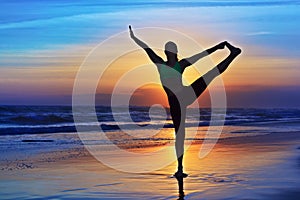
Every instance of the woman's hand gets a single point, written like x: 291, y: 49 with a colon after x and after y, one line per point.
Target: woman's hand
x: 131, y: 32
x: 221, y: 45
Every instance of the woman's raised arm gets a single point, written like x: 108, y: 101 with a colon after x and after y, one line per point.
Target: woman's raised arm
x: 191, y: 60
x: 152, y: 55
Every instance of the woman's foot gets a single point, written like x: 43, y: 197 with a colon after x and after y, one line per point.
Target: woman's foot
x: 180, y: 174
x: 233, y: 50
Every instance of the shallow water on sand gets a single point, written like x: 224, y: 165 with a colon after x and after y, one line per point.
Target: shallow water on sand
x: 247, y: 170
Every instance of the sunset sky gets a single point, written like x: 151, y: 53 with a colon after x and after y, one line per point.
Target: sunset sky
x: 43, y: 43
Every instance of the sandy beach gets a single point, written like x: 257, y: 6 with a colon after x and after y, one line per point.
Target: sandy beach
x: 251, y: 167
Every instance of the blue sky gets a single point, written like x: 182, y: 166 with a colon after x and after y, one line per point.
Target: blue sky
x: 44, y: 24
x: 37, y: 34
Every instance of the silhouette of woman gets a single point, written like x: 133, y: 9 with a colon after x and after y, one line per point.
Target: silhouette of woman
x: 180, y: 96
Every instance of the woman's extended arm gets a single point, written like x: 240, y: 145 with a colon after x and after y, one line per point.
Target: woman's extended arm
x: 191, y: 60
x: 154, y: 58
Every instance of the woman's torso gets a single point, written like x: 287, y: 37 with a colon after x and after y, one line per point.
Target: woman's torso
x: 171, y: 77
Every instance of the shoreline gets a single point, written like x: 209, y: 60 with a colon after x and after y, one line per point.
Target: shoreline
x: 79, y: 151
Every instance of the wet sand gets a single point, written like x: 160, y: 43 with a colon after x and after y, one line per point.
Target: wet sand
x: 252, y: 167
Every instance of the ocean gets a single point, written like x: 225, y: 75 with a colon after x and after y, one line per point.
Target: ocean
x: 16, y: 120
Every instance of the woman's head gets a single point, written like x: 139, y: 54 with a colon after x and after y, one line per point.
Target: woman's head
x: 170, y: 48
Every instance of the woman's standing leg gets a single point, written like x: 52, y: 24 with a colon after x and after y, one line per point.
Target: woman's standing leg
x: 178, y: 114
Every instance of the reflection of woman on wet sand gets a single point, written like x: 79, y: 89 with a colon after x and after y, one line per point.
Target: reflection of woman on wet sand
x: 180, y: 96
